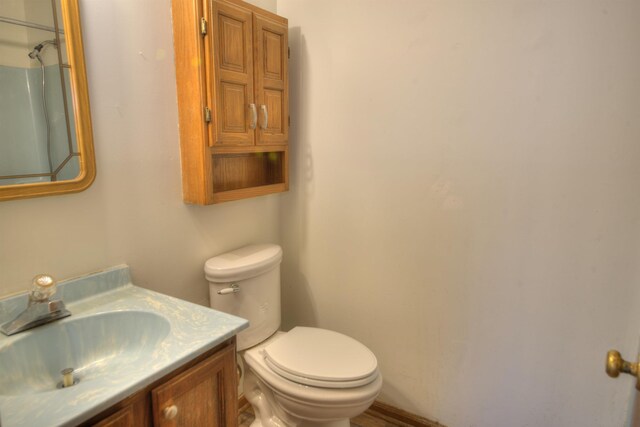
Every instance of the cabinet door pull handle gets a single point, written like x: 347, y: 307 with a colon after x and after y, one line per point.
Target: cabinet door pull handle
x: 265, y: 116
x: 254, y: 116
x: 170, y: 412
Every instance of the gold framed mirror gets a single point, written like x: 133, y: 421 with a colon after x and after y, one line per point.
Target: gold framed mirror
x: 46, y: 138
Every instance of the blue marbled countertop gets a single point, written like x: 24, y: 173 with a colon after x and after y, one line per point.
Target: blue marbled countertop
x: 193, y: 330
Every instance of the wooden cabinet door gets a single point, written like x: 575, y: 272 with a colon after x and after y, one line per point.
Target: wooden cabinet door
x: 204, y: 395
x: 234, y: 114
x: 133, y: 412
x: 272, y: 80
x: 122, y: 418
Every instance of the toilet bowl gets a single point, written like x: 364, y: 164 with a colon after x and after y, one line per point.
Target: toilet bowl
x: 298, y: 402
x: 304, y: 377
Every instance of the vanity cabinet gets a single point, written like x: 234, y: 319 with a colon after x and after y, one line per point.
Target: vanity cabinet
x: 201, y: 393
x: 233, y: 99
x: 204, y: 395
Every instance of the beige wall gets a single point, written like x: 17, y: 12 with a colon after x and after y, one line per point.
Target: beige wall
x: 270, y: 5
x: 464, y: 194
x: 134, y: 212
x: 465, y: 200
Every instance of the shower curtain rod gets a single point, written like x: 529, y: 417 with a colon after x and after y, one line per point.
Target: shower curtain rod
x: 29, y: 24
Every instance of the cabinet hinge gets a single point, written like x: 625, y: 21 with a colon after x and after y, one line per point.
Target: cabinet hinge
x: 288, y: 52
x: 207, y: 115
x: 289, y: 121
x: 203, y: 26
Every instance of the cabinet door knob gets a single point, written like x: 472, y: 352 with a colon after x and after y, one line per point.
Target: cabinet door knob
x: 170, y: 412
x: 265, y: 116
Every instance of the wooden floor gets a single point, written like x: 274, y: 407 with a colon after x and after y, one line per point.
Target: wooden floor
x: 365, y: 420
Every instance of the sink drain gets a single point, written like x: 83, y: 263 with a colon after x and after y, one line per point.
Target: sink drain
x: 68, y: 379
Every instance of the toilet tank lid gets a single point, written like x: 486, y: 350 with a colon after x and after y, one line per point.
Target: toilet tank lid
x: 243, y: 263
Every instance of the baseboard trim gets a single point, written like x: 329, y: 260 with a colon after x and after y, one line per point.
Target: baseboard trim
x: 399, y: 416
x: 242, y: 403
x: 393, y: 415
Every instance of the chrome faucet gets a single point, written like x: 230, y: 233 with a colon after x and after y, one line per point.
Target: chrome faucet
x: 40, y: 309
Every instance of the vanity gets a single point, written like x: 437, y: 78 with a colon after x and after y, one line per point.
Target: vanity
x: 200, y: 393
x: 139, y: 358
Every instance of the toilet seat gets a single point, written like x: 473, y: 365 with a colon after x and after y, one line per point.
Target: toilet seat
x: 321, y: 358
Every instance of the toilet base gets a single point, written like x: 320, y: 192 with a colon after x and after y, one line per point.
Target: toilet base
x: 279, y: 402
x: 269, y: 414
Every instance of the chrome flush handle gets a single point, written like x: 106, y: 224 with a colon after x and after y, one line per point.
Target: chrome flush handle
x: 234, y: 289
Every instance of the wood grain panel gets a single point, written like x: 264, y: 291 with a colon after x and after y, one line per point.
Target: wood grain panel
x: 274, y: 100
x: 238, y: 171
x: 190, y: 61
x: 271, y: 79
x: 232, y: 69
x: 261, y: 190
x: 265, y: 13
x: 232, y: 41
x: 123, y: 418
x: 244, y: 193
x: 396, y: 416
x: 273, y: 59
x: 202, y: 395
x: 234, y: 113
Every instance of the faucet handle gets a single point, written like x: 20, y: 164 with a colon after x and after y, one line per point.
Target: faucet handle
x: 43, y: 287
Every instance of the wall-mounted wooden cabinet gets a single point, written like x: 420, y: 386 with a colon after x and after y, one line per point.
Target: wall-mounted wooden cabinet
x: 233, y: 99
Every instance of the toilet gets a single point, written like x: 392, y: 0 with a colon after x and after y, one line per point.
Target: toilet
x: 304, y: 377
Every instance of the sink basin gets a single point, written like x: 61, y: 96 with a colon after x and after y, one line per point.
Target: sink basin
x: 101, y: 346
x: 120, y: 339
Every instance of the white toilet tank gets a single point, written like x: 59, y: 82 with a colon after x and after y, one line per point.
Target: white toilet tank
x: 254, y: 271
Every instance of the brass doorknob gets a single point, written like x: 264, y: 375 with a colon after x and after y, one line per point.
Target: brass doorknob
x: 616, y: 364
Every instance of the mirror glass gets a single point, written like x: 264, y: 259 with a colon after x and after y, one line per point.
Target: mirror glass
x: 45, y: 130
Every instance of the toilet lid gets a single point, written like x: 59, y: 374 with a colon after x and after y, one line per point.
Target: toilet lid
x: 323, y: 358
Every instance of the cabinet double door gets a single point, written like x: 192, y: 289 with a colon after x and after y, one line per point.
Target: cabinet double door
x: 248, y: 86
